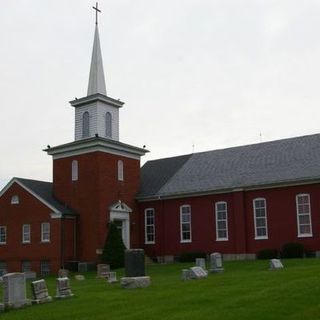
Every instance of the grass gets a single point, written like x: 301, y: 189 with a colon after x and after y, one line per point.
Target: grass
x: 246, y: 290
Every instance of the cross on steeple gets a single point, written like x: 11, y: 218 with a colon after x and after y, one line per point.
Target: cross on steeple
x: 97, y: 10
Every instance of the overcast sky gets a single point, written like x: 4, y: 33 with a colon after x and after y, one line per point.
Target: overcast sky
x: 208, y: 73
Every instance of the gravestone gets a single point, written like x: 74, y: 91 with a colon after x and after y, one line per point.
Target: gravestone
x: 135, y: 282
x: 103, y: 270
x: 112, y: 277
x: 63, y: 273
x: 275, y: 264
x: 216, y: 262
x: 185, y: 274
x: 79, y: 277
x: 135, y: 270
x: 14, y: 290
x: 1, y: 307
x: 40, y: 292
x: 198, y: 273
x: 134, y: 263
x: 63, y: 288
x: 201, y: 262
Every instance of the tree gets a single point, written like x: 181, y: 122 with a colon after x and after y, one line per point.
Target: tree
x: 113, y: 251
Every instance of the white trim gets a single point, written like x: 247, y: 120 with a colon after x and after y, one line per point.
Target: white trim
x: 120, y: 170
x: 43, y: 240
x: 256, y: 237
x: 54, y: 215
x: 226, y: 221
x: 15, y: 180
x: 5, y: 233
x: 303, y: 235
x: 120, y: 211
x: 181, y: 233
x: 96, y: 144
x: 145, y: 226
x: 74, y: 170
x: 15, y: 199
x: 181, y: 195
x: 24, y: 233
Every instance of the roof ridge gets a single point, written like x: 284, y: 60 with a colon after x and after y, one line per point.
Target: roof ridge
x: 241, y: 146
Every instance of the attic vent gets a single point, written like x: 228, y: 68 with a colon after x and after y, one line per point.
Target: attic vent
x: 15, y: 199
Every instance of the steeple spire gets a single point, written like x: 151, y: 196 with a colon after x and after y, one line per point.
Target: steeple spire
x: 96, y: 78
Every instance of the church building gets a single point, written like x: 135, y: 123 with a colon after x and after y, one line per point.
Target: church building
x: 236, y: 201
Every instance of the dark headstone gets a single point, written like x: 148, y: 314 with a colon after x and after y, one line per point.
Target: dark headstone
x: 134, y: 263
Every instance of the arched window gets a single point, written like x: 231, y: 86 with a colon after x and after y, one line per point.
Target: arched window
x: 85, y: 125
x: 120, y: 170
x: 74, y: 170
x: 108, y: 125
x: 15, y: 199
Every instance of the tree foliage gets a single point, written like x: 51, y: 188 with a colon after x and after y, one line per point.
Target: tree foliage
x: 113, y: 251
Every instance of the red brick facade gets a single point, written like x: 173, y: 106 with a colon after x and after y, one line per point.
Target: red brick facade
x: 281, y: 222
x: 96, y: 189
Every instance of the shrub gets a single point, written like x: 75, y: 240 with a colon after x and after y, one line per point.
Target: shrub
x: 267, y: 254
x: 191, y: 256
x: 292, y: 250
x: 113, y: 251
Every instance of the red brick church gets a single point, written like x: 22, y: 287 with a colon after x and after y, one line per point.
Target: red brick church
x: 236, y: 201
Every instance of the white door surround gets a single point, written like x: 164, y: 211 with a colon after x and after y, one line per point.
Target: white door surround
x: 119, y: 211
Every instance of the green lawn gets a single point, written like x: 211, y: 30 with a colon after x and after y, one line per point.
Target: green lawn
x: 246, y: 290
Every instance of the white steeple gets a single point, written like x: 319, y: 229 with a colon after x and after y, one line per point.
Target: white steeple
x: 96, y: 115
x: 96, y: 78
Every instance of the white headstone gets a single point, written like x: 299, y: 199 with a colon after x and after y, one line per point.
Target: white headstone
x: 40, y: 292
x: 63, y: 273
x: 112, y: 277
x: 185, y: 274
x: 79, y: 277
x: 216, y: 262
x: 198, y: 273
x: 63, y: 288
x: 14, y: 290
x: 201, y: 262
x: 103, y: 270
x: 275, y: 264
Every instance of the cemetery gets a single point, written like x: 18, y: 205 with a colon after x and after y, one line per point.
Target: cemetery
x: 243, y: 290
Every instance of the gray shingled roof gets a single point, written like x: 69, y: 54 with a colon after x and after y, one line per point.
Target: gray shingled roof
x: 268, y: 163
x: 44, y: 190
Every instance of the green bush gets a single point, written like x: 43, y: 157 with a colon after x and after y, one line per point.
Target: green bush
x: 292, y: 250
x: 266, y: 254
x: 191, y: 256
x: 113, y: 251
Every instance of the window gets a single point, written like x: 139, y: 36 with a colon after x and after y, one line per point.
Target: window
x: 25, y: 266
x: 74, y: 170
x: 3, y: 234
x: 26, y: 237
x: 221, y: 221
x: 3, y: 268
x: 86, y: 125
x: 108, y: 125
x: 304, y: 215
x: 185, y: 223
x: 120, y: 170
x: 260, y: 218
x: 44, y: 267
x: 15, y: 199
x: 149, y: 223
x: 45, y: 232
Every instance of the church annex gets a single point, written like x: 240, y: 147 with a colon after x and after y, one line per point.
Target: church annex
x: 237, y: 201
